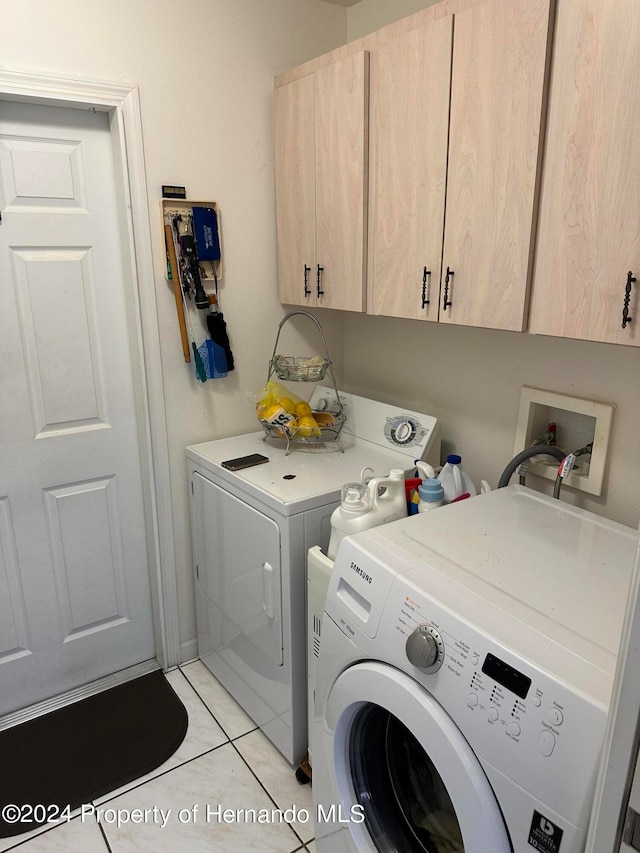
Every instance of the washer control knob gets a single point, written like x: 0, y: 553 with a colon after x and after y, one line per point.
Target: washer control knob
x: 425, y: 649
x: 494, y: 714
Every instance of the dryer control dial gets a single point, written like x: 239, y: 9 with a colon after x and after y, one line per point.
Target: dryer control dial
x: 425, y: 648
x: 404, y: 430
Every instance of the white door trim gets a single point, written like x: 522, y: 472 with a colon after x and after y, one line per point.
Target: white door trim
x: 123, y: 106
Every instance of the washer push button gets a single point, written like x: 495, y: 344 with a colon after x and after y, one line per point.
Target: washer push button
x: 555, y: 716
x: 546, y: 742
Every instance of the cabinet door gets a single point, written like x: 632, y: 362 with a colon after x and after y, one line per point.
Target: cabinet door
x: 295, y: 190
x: 410, y: 84
x: 499, y: 67
x: 341, y: 128
x: 588, y: 234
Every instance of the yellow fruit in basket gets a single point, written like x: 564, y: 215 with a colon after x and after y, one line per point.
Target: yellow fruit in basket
x: 270, y: 413
x: 307, y: 427
x: 289, y: 405
x: 303, y: 409
x: 275, y: 414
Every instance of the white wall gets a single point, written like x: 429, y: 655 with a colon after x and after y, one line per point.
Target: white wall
x: 471, y: 379
x: 205, y: 70
x: 370, y: 15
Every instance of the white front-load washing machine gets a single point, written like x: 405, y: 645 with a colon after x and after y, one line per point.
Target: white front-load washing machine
x: 251, y: 531
x: 464, y: 679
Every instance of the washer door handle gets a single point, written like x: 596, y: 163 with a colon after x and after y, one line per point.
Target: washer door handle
x: 268, y: 590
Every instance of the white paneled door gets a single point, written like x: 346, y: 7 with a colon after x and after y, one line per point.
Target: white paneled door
x: 75, y: 599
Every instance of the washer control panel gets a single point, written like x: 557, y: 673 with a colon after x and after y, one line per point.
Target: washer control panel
x: 523, y: 721
x: 503, y: 695
x: 507, y: 697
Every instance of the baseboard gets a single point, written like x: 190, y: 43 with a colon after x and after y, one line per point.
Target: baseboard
x: 188, y: 651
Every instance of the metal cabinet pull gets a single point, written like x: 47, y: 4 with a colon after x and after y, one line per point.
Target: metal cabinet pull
x: 446, y: 302
x: 319, y: 284
x: 627, y: 298
x: 425, y: 274
x: 307, y: 289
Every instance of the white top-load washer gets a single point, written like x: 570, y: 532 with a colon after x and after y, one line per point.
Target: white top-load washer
x: 251, y: 531
x: 465, y: 675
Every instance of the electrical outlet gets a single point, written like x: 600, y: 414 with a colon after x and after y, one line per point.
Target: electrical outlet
x: 578, y: 423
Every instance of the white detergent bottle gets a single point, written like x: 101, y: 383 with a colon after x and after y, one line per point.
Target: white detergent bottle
x: 455, y: 481
x: 431, y: 494
x: 353, y: 515
x: 388, y: 497
x: 367, y: 505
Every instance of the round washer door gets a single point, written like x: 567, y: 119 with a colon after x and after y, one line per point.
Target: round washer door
x: 401, y: 762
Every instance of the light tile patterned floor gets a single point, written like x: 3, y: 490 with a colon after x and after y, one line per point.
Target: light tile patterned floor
x: 224, y: 762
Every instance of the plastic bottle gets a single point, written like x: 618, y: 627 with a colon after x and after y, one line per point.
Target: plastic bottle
x: 431, y: 494
x: 425, y: 470
x: 351, y: 516
x: 364, y: 506
x: 388, y: 498
x: 455, y: 481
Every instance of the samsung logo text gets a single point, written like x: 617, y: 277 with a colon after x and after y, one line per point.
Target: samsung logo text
x: 363, y: 574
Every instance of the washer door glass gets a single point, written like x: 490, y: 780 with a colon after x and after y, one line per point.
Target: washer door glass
x: 404, y: 800
x: 390, y: 750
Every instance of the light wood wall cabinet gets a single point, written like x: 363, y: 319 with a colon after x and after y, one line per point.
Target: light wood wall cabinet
x: 588, y: 245
x: 482, y: 233
x: 321, y: 127
x: 410, y: 86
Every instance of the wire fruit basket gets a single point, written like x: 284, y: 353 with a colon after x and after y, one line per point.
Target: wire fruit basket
x: 329, y: 423
x: 299, y: 369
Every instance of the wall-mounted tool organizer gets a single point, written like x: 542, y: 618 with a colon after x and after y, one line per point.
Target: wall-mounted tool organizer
x: 171, y: 207
x: 191, y: 232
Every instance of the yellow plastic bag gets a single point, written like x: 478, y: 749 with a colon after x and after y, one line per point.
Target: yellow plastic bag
x: 276, y: 406
x: 279, y: 407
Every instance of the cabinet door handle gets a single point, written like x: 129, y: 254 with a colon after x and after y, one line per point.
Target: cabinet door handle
x: 319, y: 281
x: 307, y: 289
x: 446, y: 302
x: 627, y: 298
x: 425, y: 274
x: 268, y: 591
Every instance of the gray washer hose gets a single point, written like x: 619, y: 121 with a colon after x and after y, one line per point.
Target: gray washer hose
x: 527, y: 453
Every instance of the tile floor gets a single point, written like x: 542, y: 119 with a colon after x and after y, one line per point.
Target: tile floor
x: 224, y: 762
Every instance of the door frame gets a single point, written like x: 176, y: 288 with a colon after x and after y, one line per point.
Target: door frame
x: 125, y: 122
